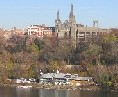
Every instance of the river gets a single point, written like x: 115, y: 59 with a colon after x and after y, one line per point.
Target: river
x: 33, y: 92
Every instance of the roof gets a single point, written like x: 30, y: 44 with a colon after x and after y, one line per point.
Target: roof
x: 91, y: 29
x: 56, y: 75
x: 83, y: 78
x: 48, y: 75
x: 60, y: 75
x: 64, y: 76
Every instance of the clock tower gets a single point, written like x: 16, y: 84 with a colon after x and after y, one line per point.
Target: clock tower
x: 57, y: 25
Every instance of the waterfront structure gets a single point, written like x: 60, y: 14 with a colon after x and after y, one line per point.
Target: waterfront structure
x: 77, y: 32
x: 53, y: 78
x: 65, y: 78
x: 40, y: 31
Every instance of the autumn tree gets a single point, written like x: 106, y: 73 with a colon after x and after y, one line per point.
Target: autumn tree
x: 110, y: 49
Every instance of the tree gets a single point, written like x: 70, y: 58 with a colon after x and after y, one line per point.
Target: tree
x: 77, y: 57
x: 92, y: 54
x: 10, y: 70
x: 54, y: 65
x: 32, y: 71
x: 110, y: 52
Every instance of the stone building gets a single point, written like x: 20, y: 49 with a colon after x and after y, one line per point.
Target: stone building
x: 77, y: 32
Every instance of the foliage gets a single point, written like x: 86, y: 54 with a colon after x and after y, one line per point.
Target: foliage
x: 23, y: 55
x: 106, y: 82
x: 110, y: 37
x: 32, y: 71
x: 92, y: 54
x: 54, y: 65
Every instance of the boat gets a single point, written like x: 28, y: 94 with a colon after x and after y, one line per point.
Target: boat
x: 24, y: 87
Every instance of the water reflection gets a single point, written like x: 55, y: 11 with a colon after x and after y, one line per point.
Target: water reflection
x: 41, y: 93
x: 46, y: 93
x: 22, y: 92
x: 31, y: 92
x: 7, y: 92
x: 58, y: 93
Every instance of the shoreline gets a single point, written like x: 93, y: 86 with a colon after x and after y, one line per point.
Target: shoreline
x: 56, y: 87
x: 51, y: 86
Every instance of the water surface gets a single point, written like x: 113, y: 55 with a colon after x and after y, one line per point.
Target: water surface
x: 32, y: 92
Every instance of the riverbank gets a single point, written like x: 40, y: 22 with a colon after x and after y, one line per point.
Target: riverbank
x: 92, y: 87
x: 50, y: 86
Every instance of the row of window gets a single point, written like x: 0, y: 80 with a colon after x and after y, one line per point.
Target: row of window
x: 41, y: 33
x: 90, y: 32
x: 42, y: 28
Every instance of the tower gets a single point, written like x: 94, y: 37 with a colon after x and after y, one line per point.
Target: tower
x: 71, y: 15
x: 72, y: 23
x: 58, y: 15
x: 68, y: 28
x: 95, y: 23
x: 57, y: 24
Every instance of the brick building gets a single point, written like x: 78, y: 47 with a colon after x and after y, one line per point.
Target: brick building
x: 40, y: 31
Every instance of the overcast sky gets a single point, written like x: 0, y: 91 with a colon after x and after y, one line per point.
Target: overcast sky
x: 22, y: 13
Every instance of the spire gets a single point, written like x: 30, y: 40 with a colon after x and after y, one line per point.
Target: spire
x: 72, y: 8
x: 58, y: 15
x: 71, y: 15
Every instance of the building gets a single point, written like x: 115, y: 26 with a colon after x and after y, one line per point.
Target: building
x: 40, y: 31
x: 14, y: 31
x: 62, y: 78
x: 77, y: 32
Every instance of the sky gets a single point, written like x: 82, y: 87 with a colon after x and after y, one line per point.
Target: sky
x: 23, y: 13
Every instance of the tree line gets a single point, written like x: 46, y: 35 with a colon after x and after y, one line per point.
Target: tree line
x: 23, y: 56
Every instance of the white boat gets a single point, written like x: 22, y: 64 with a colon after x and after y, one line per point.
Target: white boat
x: 24, y: 86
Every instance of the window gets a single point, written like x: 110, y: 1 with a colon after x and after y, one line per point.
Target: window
x: 87, y: 32
x: 93, y: 32
x: 82, y: 39
x: 81, y: 32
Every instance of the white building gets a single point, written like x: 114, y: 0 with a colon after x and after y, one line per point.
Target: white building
x: 40, y: 31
